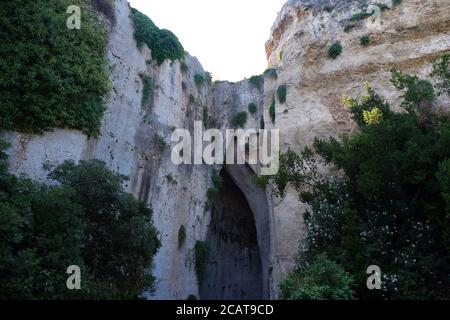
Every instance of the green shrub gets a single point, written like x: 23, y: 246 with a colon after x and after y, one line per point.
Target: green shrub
x: 209, y: 77
x: 252, y: 108
x: 161, y: 142
x: 51, y: 76
x: 281, y: 92
x: 181, y: 236
x: 170, y: 179
x: 216, y: 179
x: 271, y: 72
x: 359, y: 16
x: 349, y: 25
x: 205, y: 117
x: 199, y: 79
x: 364, y: 40
x: 163, y: 43
x: 257, y: 81
x: 322, y: 280
x: 184, y: 67
x: 192, y: 297
x: 371, y: 106
x: 84, y: 219
x: 261, y: 181
x: 335, y: 50
x: 211, y: 194
x: 419, y: 93
x: 240, y: 119
x: 272, y: 110
x: 202, y: 252
x: 191, y: 99
x: 148, y: 90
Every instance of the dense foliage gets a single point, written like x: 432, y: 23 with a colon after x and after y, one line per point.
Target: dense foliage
x: 271, y: 72
x: 148, y: 90
x: 88, y: 221
x: 202, y: 251
x: 252, y: 108
x: 240, y: 119
x: 163, y: 43
x: 51, y: 76
x: 205, y: 117
x: 262, y: 123
x: 335, y: 50
x: 272, y: 113
x: 256, y: 81
x: 322, y: 280
x: 282, y: 92
x: 364, y: 40
x: 199, y: 79
x: 181, y: 236
x: 391, y: 207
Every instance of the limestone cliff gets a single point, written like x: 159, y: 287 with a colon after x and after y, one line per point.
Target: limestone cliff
x: 408, y: 36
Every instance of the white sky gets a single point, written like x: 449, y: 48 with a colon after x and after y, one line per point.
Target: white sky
x: 227, y: 36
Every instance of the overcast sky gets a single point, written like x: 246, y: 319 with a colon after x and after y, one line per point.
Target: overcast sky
x: 227, y: 36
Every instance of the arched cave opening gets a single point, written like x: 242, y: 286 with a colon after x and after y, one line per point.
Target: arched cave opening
x: 235, y: 269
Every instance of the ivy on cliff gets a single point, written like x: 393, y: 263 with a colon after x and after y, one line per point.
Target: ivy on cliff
x: 51, y: 76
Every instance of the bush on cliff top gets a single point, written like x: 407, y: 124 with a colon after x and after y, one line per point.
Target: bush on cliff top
x: 163, y: 43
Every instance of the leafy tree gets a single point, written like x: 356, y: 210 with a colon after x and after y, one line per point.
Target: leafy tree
x: 391, y: 205
x: 418, y: 94
x: 87, y: 220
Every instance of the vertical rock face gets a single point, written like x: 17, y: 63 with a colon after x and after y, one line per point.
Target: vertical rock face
x: 130, y: 143
x: 133, y: 138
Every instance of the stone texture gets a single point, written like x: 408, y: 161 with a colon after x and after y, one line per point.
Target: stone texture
x: 411, y: 35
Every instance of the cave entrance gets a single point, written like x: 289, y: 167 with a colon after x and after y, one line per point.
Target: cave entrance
x: 235, y: 269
